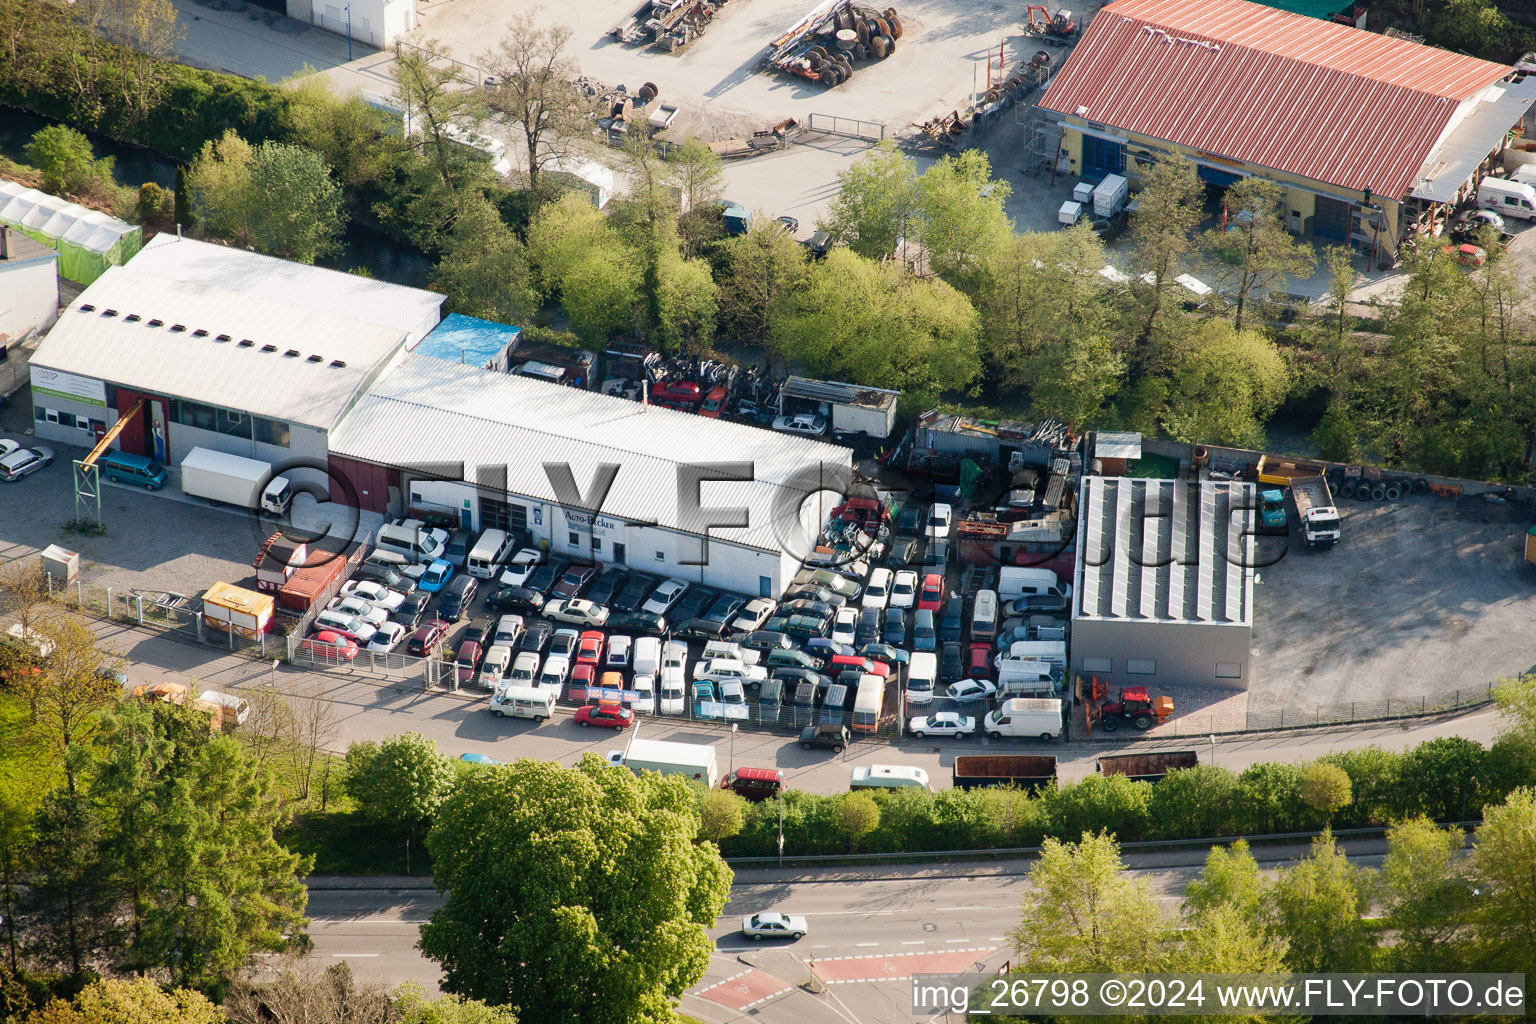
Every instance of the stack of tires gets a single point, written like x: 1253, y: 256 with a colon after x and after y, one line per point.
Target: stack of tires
x: 1388, y: 488
x: 858, y: 34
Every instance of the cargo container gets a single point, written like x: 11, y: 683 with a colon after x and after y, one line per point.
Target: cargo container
x: 1110, y: 195
x: 1149, y: 767
x: 226, y: 479
x: 1026, y: 771
x: 306, y: 586
x: 230, y: 608
x: 691, y: 760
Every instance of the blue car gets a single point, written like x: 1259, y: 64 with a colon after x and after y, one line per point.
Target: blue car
x: 924, y: 633
x: 479, y: 759
x: 826, y: 648
x: 436, y: 576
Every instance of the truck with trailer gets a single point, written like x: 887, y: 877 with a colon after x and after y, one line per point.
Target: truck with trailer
x: 1026, y: 771
x: 226, y: 479
x: 1315, y: 511
x: 694, y: 761
x: 1148, y: 767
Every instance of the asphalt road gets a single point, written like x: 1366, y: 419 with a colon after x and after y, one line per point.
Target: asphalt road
x: 371, y: 709
x: 869, y: 929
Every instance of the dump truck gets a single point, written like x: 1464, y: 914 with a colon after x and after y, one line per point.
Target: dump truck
x: 1027, y: 771
x: 1315, y: 511
x: 1149, y: 767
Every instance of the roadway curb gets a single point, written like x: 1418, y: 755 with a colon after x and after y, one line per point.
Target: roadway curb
x: 370, y: 883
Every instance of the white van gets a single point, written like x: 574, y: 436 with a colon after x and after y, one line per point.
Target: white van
x: 234, y: 708
x: 522, y: 702
x: 1016, y: 581
x: 1053, y: 652
x: 1509, y: 198
x: 486, y: 556
x: 888, y: 776
x: 645, y: 656
x: 922, y: 673
x: 1024, y: 717
x: 984, y: 616
x: 494, y: 668
x: 413, y: 540
x: 1025, y: 679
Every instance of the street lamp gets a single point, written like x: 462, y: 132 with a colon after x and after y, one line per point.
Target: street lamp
x: 733, y: 746
x: 275, y: 663
x: 348, y: 9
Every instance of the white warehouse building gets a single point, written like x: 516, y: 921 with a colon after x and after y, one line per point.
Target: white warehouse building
x: 493, y: 448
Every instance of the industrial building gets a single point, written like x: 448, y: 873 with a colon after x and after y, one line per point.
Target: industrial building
x: 219, y: 348
x: 492, y: 447
x: 1372, y: 137
x: 1163, y: 589
x: 29, y: 291
x: 472, y: 341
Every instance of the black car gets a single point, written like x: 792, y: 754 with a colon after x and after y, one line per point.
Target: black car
x: 802, y: 627
x: 913, y: 518
x: 954, y: 619
x: 521, y: 600
x: 634, y: 592
x: 692, y: 604
x: 868, y: 629
x: 763, y: 640
x: 895, y: 627
x: 478, y: 632
x: 701, y: 629
x: 410, y: 611
x: 902, y: 553
x: 793, y: 677
x: 821, y: 595
x: 388, y: 577
x: 951, y: 663
x: 643, y: 623
x: 456, y: 597
x: 543, y: 578
x: 724, y: 609
x: 536, y: 637
x: 607, y: 584
x: 805, y: 606
x: 832, y: 735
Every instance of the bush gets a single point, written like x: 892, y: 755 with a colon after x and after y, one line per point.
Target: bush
x: 65, y: 160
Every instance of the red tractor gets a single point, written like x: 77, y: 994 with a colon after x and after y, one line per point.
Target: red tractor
x: 1135, y: 706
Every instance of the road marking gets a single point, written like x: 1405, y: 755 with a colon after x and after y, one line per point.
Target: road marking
x: 349, y: 956
x: 912, y: 942
x: 953, y: 941
x: 895, y: 966
x: 861, y: 944
x: 995, y: 938
x: 744, y: 990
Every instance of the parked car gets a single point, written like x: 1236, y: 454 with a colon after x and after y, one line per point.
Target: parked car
x: 951, y: 663
x: 436, y: 576
x: 562, y: 644
x: 639, y: 622
x: 384, y: 576
x: 904, y: 589
x: 536, y: 637
x: 845, y: 625
x: 885, y: 652
x: 23, y: 462
x: 978, y: 661
x: 351, y: 625
x: 519, y: 567
x: 972, y: 689
x: 606, y: 714
x: 724, y: 609
x: 769, y: 925
x: 667, y: 594
x: 543, y: 578
x: 954, y: 618
x: 714, y: 402
x: 412, y: 609
x: 826, y: 648
x: 805, y: 423
x: 702, y: 629
x: 589, y: 648
x: 692, y: 604
x: 376, y: 594
x: 895, y: 632
x: 764, y: 640
x: 792, y: 659
x: 931, y: 596
x: 636, y: 589
x: 805, y: 606
x: 574, y: 580
x: 830, y: 735
x: 902, y: 552
x: 607, y: 585
x: 576, y: 610
x: 925, y: 635
x: 942, y: 723
x: 754, y: 614
x: 467, y: 663
x: 359, y: 608
x: 328, y: 644
x: 387, y: 637
x: 458, y: 595
x: 426, y: 639
x: 877, y: 592
x: 941, y: 520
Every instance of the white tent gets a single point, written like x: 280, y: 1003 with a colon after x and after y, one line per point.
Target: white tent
x: 88, y: 241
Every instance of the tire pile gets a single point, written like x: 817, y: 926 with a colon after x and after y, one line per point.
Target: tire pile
x: 851, y: 36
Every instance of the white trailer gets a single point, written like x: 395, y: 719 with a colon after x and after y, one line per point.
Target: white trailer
x: 1110, y: 195
x: 226, y: 479
x: 691, y: 760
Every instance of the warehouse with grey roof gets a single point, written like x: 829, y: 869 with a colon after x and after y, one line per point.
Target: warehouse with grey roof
x: 1163, y: 588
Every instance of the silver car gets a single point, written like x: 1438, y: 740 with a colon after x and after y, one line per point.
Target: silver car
x: 23, y: 461
x: 772, y: 925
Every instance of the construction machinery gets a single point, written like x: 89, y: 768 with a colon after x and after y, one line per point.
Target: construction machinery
x: 666, y: 24
x: 1057, y: 29
x: 826, y: 44
x: 1135, y: 706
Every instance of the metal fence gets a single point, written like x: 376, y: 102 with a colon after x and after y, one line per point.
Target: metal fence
x: 851, y: 127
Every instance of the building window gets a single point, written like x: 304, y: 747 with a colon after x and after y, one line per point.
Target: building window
x: 1100, y: 665
x: 1229, y: 670
x: 661, y: 556
x: 273, y: 432
x: 1140, y: 667
x: 234, y: 424
x: 575, y: 538
x: 40, y: 414
x: 597, y: 543
x: 195, y: 414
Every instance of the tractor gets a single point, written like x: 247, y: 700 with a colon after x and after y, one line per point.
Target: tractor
x: 1135, y: 706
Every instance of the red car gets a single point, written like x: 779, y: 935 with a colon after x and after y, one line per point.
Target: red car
x: 329, y: 643
x: 979, y: 661
x: 678, y: 394
x: 582, y: 677
x: 468, y: 662
x: 589, y: 648
x: 931, y: 597
x: 714, y: 403
x: 425, y: 640
x: 575, y: 580
x: 608, y: 714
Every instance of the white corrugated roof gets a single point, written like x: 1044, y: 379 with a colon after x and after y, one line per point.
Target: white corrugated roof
x: 412, y: 310
x: 204, y: 369
x: 427, y: 411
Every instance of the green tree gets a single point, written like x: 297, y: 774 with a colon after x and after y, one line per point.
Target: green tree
x: 75, y: 909
x: 64, y: 158
x: 1270, y: 795
x: 689, y: 303
x: 556, y: 876
x: 1516, y: 701
x: 721, y: 814
x: 484, y: 267
x: 1084, y: 912
x: 1111, y: 803
x: 1228, y: 940
x: 1427, y: 897
x: 536, y: 91
x: 351, y: 136
x: 1374, y: 780
x: 861, y: 321
x: 401, y: 782
x: 1447, y: 774
x: 1223, y: 383
x: 1325, y: 788
x: 961, y: 222
x: 1199, y: 801
x: 154, y: 206
x: 560, y: 235
x: 1162, y: 238
x: 857, y: 816
x: 1503, y: 864
x: 1231, y: 878
x: 600, y: 291
x: 279, y: 199
x: 415, y: 1008
x: 1253, y: 254
x: 438, y: 110
x: 696, y: 172
x: 129, y: 1001
x: 1317, y: 904
x: 224, y: 889
x: 876, y: 203
x: 761, y: 269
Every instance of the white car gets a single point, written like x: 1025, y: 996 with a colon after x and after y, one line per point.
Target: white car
x: 754, y: 614
x: 771, y: 925
x: 7, y: 446
x: 666, y: 594
x: 350, y: 624
x: 576, y: 610
x: 722, y: 670
x: 972, y: 689
x: 846, y: 626
x: 525, y: 669
x: 389, y: 634
x: 877, y: 592
x: 509, y: 629
x: 368, y: 612
x: 942, y: 723
x: 645, y: 686
x: 801, y: 423
x: 727, y: 649
x: 674, y: 655
x: 376, y: 594
x: 521, y: 567
x: 674, y: 698
x: 940, y: 521
x: 494, y: 668
x: 904, y: 589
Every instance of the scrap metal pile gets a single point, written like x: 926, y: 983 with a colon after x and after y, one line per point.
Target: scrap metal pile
x: 826, y: 44
x: 667, y: 24
x: 949, y: 130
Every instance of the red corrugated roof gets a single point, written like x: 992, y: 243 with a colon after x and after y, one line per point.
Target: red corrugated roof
x: 1281, y: 90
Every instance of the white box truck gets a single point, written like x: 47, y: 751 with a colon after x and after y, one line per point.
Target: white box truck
x: 1024, y: 716
x: 693, y: 761
x: 226, y: 479
x: 1508, y: 198
x: 1110, y: 195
